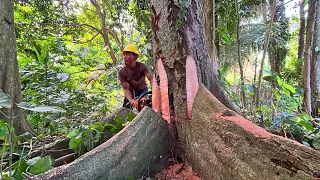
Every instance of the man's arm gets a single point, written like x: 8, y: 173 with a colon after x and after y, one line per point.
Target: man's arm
x: 127, y: 92
x: 150, y: 77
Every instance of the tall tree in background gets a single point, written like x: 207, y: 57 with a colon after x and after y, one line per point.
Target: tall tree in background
x: 302, y: 29
x: 307, y: 56
x: 315, y: 65
x: 104, y: 30
x: 243, y: 95
x: 9, y: 72
x: 277, y: 53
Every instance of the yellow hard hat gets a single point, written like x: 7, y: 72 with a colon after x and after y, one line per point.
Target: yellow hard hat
x: 131, y: 48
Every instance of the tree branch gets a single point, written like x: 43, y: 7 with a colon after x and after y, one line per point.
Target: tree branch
x: 257, y: 93
x: 4, y: 114
x: 90, y: 39
x: 102, y: 16
x: 19, y: 114
x: 87, y: 25
x: 115, y: 37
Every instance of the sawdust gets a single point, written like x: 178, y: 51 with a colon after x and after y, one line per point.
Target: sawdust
x: 177, y: 172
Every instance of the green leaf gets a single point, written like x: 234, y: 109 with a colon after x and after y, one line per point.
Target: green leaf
x: 251, y: 93
x: 52, y: 109
x: 316, y: 142
x: 97, y: 126
x: 19, y: 168
x: 289, y: 87
x: 5, y: 100
x: 52, y: 127
x: 35, y: 120
x: 119, y: 121
x: 269, y: 78
x: 73, y: 133
x: 34, y: 160
x: 279, y: 81
x: 74, y: 142
x: 277, y: 94
x: 307, y: 125
x: 286, y: 92
x: 37, y: 54
x: 41, y: 166
x: 131, y: 116
x: 4, y: 148
x: 108, y: 126
x: 6, y: 177
x: 46, y: 58
x: 3, y: 130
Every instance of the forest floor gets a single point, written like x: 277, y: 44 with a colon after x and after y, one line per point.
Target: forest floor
x: 177, y: 172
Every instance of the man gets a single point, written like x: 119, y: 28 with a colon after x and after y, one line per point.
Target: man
x: 133, y: 76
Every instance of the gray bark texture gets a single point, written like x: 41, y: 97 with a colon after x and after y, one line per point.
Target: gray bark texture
x: 174, y: 39
x: 307, y: 56
x: 138, y: 150
x: 315, y: 65
x: 208, y: 18
x: 219, y: 144
x: 9, y: 70
x: 302, y: 29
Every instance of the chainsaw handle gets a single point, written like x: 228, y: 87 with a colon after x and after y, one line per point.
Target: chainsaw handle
x: 139, y: 99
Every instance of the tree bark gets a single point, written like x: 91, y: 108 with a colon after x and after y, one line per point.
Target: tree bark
x: 301, y: 30
x: 9, y: 71
x: 315, y: 66
x: 243, y: 95
x: 307, y: 56
x: 219, y: 144
x: 174, y: 39
x: 137, y: 151
x: 209, y: 22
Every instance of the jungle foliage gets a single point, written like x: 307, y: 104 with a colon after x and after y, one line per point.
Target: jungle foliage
x: 69, y: 82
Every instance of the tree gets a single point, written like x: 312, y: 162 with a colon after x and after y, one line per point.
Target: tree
x: 105, y: 31
x: 178, y: 33
x: 186, y: 42
x: 265, y: 46
x: 243, y: 96
x: 9, y: 72
x: 301, y: 30
x: 307, y: 56
x: 277, y: 51
x: 315, y: 66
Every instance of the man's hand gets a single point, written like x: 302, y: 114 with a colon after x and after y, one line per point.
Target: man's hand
x: 134, y: 103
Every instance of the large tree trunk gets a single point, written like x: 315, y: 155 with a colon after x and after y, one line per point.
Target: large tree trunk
x: 217, y: 142
x: 315, y: 66
x: 9, y: 71
x: 173, y: 42
x: 307, y: 56
x: 138, y: 151
x: 302, y: 30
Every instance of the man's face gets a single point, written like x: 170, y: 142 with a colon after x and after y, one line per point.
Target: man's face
x: 129, y: 58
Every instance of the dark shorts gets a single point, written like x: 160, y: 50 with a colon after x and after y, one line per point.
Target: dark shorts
x: 134, y: 94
